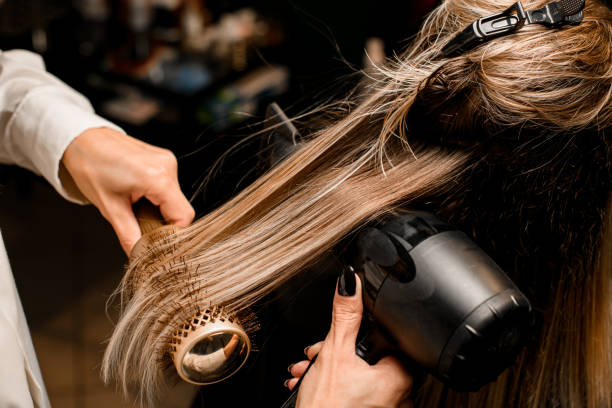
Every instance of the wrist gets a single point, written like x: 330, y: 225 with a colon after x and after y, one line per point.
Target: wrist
x: 76, y: 162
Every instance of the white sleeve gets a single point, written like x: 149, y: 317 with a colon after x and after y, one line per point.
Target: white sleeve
x: 39, y: 117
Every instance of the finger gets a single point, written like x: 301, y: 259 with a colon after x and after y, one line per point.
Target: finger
x: 118, y: 211
x: 164, y: 191
x: 176, y: 209
x: 313, y: 350
x: 290, y: 383
x: 392, y: 370
x: 297, y: 369
x: 347, y: 312
x: 173, y: 206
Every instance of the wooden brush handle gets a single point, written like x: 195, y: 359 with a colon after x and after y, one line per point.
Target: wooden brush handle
x: 151, y: 225
x: 148, y: 216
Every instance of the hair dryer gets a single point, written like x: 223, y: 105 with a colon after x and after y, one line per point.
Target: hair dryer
x: 434, y: 298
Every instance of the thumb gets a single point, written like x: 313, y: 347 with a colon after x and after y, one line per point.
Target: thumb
x: 347, y: 311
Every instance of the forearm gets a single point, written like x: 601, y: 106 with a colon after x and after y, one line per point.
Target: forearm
x: 40, y: 116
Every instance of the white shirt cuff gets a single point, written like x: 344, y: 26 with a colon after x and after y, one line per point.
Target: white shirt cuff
x: 46, y: 122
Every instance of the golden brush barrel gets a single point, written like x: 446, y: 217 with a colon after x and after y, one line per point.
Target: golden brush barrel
x: 209, y: 348
x: 212, y: 345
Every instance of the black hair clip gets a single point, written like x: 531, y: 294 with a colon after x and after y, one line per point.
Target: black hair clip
x: 552, y: 15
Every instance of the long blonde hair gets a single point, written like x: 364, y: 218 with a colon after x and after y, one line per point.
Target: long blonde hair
x: 423, y: 132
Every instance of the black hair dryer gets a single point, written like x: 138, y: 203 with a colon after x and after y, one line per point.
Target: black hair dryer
x: 434, y: 298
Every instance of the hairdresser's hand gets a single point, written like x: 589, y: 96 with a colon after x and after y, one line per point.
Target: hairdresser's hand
x: 339, y: 378
x: 114, y: 170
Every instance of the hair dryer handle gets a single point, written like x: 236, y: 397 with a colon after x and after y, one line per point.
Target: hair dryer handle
x: 373, y: 346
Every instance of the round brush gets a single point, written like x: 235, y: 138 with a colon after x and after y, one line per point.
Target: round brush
x: 210, y: 346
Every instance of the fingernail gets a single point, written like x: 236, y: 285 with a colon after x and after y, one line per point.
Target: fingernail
x: 289, y: 368
x: 346, y: 282
x: 286, y: 384
x: 306, y: 350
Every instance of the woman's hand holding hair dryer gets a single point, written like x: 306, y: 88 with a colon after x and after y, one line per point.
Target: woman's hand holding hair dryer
x: 339, y: 378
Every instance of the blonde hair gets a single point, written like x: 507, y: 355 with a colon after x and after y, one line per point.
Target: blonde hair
x: 423, y: 132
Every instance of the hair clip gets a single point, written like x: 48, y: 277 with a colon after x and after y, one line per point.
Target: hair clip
x: 552, y: 15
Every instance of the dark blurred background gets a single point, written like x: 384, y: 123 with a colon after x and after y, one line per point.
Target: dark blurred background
x: 193, y: 76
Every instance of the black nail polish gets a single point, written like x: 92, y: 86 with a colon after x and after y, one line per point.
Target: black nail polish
x: 306, y: 350
x: 347, y: 283
x: 289, y: 368
x: 286, y: 383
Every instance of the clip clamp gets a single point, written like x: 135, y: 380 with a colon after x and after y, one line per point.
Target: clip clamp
x: 486, y: 28
x: 554, y: 14
x: 500, y: 23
